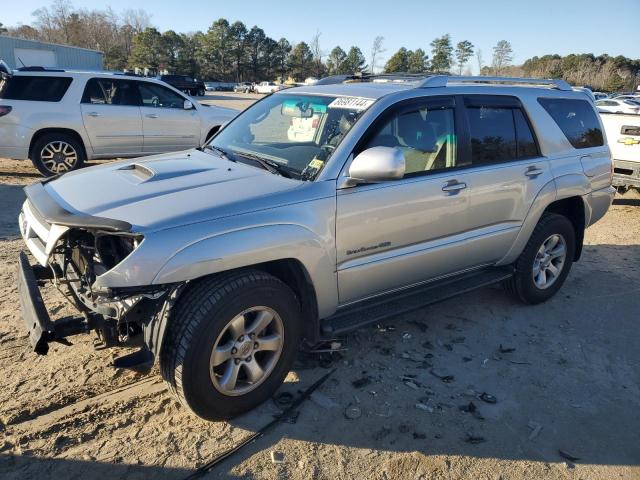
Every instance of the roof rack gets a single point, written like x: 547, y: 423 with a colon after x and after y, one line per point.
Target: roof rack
x: 444, y: 80
x: 368, y: 77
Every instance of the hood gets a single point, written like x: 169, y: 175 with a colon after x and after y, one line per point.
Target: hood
x: 215, y: 112
x: 169, y: 190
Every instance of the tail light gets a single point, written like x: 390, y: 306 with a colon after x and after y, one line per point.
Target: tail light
x: 4, y: 109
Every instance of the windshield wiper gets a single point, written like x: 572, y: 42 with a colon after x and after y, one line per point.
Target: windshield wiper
x: 219, y: 151
x: 269, y: 165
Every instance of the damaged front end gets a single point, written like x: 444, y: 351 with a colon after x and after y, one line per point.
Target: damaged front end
x: 73, y: 251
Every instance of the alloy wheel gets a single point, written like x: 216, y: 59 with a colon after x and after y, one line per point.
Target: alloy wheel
x: 246, y: 351
x: 59, y: 156
x: 549, y: 261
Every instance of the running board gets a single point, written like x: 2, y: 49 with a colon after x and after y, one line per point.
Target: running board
x: 389, y: 305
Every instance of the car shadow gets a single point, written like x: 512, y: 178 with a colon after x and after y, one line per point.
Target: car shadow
x: 573, y: 372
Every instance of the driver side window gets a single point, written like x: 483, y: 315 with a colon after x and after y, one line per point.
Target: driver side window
x: 424, y: 133
x: 158, y: 96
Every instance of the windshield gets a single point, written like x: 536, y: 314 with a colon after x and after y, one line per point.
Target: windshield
x: 296, y: 134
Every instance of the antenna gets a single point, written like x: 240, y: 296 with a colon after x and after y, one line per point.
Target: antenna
x: 20, y: 60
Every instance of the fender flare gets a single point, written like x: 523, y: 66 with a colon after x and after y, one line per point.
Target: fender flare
x: 255, y: 245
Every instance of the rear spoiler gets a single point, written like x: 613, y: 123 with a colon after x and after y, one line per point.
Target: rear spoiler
x: 53, y: 213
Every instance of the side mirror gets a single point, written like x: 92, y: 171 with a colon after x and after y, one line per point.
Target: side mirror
x: 187, y: 105
x: 377, y: 164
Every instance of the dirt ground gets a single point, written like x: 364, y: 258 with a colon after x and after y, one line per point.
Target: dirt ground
x: 566, y: 376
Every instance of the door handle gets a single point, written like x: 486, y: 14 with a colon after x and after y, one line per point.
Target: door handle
x: 453, y: 186
x: 533, y: 172
x: 151, y: 115
x: 93, y: 114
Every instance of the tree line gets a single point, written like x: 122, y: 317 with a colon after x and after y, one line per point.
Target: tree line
x: 233, y: 52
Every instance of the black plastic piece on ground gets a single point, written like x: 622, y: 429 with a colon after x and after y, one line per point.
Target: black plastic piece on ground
x: 140, y: 361
x: 380, y: 308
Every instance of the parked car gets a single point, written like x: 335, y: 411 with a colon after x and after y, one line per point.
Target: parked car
x: 244, y: 87
x: 217, y: 263
x: 185, y: 84
x: 600, y: 95
x: 59, y: 119
x: 614, y: 105
x: 268, y: 87
x: 623, y: 136
x: 219, y: 86
x: 633, y: 98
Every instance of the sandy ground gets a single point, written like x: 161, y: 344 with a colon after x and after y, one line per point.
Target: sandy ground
x: 574, y: 372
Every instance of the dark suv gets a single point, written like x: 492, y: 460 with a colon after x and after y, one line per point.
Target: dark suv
x: 184, y: 83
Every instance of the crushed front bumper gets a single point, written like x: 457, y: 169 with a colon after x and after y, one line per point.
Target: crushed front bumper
x: 42, y: 330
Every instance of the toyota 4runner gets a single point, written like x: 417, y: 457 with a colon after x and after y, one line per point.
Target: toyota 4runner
x: 218, y: 262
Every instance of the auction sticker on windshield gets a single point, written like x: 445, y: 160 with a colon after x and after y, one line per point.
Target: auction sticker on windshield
x: 351, y: 103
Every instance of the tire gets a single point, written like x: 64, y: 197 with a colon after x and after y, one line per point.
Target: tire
x: 55, y: 153
x: 201, y: 93
x: 202, y: 320
x: 522, y: 285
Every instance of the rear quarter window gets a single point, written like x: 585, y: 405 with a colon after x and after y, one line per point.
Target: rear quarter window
x: 35, y: 88
x: 577, y: 119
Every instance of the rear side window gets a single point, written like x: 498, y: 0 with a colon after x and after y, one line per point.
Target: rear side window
x: 499, y: 133
x: 35, y: 88
x: 577, y: 120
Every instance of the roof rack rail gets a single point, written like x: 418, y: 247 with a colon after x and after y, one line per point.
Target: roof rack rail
x: 444, y: 80
x: 368, y: 77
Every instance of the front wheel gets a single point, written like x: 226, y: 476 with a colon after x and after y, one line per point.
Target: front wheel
x: 230, y: 342
x: 545, y: 262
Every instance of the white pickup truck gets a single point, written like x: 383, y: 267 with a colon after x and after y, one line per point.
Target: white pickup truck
x: 623, y: 136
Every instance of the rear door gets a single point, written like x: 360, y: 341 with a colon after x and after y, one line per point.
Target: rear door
x: 393, y: 234
x: 111, y: 116
x: 507, y: 173
x: 167, y: 126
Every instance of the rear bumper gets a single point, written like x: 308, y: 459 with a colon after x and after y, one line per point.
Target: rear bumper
x: 599, y: 202
x: 626, y: 174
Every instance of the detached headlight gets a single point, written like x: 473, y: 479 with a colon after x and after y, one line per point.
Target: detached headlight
x: 112, y: 249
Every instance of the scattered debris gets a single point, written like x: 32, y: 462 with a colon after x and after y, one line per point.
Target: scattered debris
x: 474, y: 439
x: 519, y: 363
x: 488, y: 398
x: 406, y: 336
x: 484, y: 362
x: 422, y: 406
x: 423, y: 327
x: 427, y: 344
x: 283, y: 399
x: 472, y: 409
x: 442, y: 376
x: 535, y: 427
x: 568, y: 456
x: 361, y: 382
x: 502, y: 349
x: 419, y: 436
x: 411, y: 384
x: 322, y: 400
x: 385, y: 328
x: 466, y: 359
x: 291, y: 419
x: 352, y: 412
x: 277, y: 457
x: 380, y: 434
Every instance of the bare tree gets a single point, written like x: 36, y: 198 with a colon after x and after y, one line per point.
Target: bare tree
x: 502, y: 56
x: 480, y: 62
x: 316, y: 51
x: 376, y: 50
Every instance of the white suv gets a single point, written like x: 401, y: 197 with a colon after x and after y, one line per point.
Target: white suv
x: 60, y: 118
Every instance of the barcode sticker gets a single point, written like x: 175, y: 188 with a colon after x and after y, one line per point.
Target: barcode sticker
x: 351, y: 103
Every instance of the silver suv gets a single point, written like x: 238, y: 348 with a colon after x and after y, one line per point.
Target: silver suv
x: 219, y: 262
x: 59, y: 118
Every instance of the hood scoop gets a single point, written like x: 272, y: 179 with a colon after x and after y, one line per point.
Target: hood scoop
x: 164, y: 169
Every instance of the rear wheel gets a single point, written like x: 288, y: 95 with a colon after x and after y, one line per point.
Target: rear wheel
x: 545, y: 262
x: 56, y: 153
x: 230, y: 342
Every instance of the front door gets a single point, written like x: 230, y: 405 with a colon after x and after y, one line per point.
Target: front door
x: 111, y: 116
x: 398, y: 233
x: 505, y: 177
x: 166, y: 124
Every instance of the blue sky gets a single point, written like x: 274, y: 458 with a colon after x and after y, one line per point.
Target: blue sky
x: 533, y: 27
